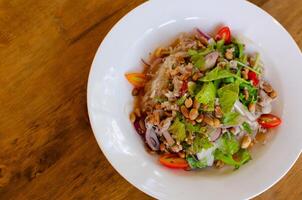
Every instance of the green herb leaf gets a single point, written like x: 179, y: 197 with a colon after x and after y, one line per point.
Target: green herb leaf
x: 248, y: 67
x: 228, y: 95
x: 207, y: 95
x: 220, y: 46
x: 233, y: 87
x: 197, y: 58
x: 195, y: 163
x: 191, y: 88
x: 160, y: 99
x: 243, y: 157
x: 181, y: 100
x: 231, y: 118
x: 195, y: 128
x: 200, y: 143
x: 216, y: 74
x: 247, y: 127
x: 229, y: 80
x: 226, y: 158
x: 178, y: 130
x: 228, y: 144
x: 253, y: 94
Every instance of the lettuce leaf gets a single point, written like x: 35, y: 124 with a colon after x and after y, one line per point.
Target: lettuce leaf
x: 200, y: 143
x: 242, y: 157
x: 226, y: 158
x: 195, y: 163
x: 228, y: 144
x: 207, y: 95
x: 178, y: 130
x: 231, y: 118
x: 216, y: 74
x: 195, y: 128
x: 197, y: 58
x: 228, y: 95
x: 234, y: 87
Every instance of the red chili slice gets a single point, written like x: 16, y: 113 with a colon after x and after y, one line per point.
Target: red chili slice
x: 224, y: 33
x: 173, y: 161
x: 253, y: 77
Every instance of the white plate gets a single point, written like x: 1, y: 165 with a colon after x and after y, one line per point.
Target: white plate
x: 155, y: 23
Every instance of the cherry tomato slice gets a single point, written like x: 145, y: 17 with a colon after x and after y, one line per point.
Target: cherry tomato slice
x: 269, y: 121
x: 136, y: 79
x: 253, y: 77
x: 173, y: 161
x: 224, y: 33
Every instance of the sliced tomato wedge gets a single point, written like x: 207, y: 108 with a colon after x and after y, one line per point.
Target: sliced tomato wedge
x: 224, y: 33
x: 136, y: 79
x: 269, y: 121
x: 173, y: 161
x: 253, y: 77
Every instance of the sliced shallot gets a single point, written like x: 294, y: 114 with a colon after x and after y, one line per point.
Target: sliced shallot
x: 168, y: 137
x: 210, y: 60
x: 202, y: 34
x: 152, y: 139
x: 215, y: 135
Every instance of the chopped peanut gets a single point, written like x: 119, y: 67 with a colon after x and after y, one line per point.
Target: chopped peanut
x: 199, y: 119
x: 188, y: 102
x: 208, y: 120
x: 246, y: 141
x: 184, y: 111
x: 193, y: 114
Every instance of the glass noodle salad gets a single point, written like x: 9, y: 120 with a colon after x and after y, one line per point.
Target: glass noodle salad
x: 202, y: 102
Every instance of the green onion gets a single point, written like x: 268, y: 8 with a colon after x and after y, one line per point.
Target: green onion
x: 244, y: 65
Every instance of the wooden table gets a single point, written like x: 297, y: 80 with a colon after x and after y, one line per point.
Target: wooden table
x: 48, y: 150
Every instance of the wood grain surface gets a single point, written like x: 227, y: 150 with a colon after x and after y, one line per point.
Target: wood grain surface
x: 48, y: 150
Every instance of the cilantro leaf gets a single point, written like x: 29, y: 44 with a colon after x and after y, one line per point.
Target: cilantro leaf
x: 178, y: 130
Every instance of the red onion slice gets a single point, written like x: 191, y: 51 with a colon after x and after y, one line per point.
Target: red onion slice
x: 151, y: 139
x: 210, y: 60
x: 145, y: 62
x: 138, y: 126
x: 215, y: 135
x: 203, y: 34
x: 168, y: 137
